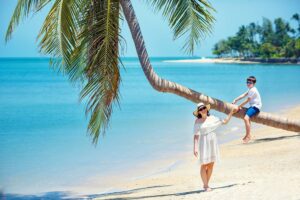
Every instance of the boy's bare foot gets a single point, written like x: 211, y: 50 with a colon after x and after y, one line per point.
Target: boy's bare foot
x: 246, y: 139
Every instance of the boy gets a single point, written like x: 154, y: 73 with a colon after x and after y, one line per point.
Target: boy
x: 253, y: 97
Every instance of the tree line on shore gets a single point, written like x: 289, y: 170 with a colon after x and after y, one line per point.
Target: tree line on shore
x: 277, y: 39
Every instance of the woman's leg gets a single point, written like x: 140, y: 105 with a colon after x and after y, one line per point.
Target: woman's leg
x: 203, y: 173
x: 209, y: 170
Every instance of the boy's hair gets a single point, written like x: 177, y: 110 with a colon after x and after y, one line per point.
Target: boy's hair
x: 251, y: 78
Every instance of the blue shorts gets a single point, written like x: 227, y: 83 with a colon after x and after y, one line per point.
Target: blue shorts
x: 251, y: 111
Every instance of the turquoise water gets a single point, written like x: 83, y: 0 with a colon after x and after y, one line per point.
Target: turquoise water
x: 43, y: 141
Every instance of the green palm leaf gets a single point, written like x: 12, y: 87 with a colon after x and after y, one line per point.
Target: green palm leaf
x: 187, y: 17
x: 58, y: 35
x: 23, y: 9
x: 99, y: 40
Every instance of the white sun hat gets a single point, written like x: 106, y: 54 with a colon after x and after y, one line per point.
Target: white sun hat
x: 199, y: 105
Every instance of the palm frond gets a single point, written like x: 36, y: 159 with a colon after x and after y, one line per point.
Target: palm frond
x: 82, y: 37
x: 58, y: 35
x: 99, y: 41
x: 22, y: 10
x: 187, y: 17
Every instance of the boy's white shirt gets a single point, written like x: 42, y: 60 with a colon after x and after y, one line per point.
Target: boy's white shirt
x: 254, y: 96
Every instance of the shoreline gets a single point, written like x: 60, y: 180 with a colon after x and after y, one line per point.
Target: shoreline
x: 179, y: 171
x: 231, y: 61
x: 179, y: 59
x: 182, y: 177
x: 179, y: 176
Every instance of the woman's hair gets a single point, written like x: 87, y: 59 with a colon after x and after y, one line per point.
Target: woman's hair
x: 200, y: 116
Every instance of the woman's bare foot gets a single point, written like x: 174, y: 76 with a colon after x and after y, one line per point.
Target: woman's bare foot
x: 246, y: 139
x: 206, y: 188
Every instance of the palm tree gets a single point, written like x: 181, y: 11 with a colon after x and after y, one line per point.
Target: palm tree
x: 83, y: 37
x: 296, y: 17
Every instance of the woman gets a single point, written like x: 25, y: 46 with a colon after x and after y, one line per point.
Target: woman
x: 205, y: 141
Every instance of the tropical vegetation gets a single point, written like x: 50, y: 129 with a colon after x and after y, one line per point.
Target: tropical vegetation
x: 277, y: 39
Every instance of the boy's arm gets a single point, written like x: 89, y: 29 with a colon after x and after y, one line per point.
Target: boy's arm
x: 244, y: 103
x: 239, y: 97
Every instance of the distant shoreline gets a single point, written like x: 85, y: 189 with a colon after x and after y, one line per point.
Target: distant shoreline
x: 171, y: 59
x: 239, y: 61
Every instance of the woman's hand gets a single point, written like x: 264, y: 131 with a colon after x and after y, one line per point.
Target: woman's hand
x: 235, y: 109
x: 196, y: 152
x: 196, y: 145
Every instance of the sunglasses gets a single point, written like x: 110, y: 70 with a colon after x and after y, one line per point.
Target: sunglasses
x: 249, y: 82
x: 202, y: 108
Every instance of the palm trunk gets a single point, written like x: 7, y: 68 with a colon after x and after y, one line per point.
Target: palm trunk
x: 163, y: 85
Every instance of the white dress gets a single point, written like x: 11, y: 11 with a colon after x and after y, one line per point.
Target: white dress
x: 208, y: 143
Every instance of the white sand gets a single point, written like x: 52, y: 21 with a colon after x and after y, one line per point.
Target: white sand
x: 210, y: 60
x: 267, y: 168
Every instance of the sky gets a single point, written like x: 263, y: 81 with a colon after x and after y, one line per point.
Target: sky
x: 157, y: 35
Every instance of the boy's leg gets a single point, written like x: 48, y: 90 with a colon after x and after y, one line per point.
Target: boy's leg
x: 249, y: 113
x: 248, y: 128
x: 247, y: 119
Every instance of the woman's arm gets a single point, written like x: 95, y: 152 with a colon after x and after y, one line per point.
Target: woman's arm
x: 196, y: 140
x: 239, y: 98
x: 225, y: 121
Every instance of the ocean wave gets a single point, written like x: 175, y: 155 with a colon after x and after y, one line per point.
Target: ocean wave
x: 235, y: 128
x: 168, y: 168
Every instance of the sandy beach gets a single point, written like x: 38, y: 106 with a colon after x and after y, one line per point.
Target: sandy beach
x: 231, y: 61
x: 266, y: 168
x: 212, y: 60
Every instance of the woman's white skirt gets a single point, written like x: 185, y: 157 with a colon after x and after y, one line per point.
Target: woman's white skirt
x: 208, y: 148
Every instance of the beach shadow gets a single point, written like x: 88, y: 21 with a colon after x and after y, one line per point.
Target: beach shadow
x: 273, y: 139
x: 182, y: 194
x: 125, y: 191
x: 47, y: 195
x: 68, y: 195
